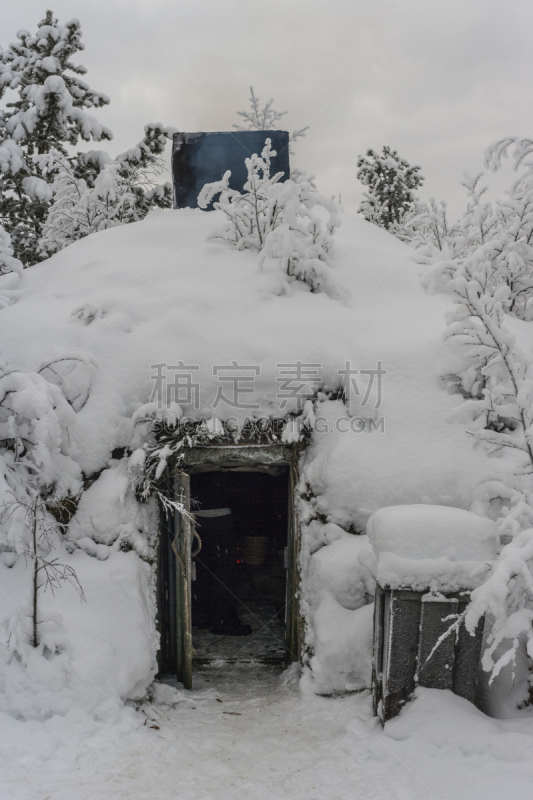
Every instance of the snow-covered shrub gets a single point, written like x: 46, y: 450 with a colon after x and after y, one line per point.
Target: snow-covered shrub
x: 514, y: 225
x: 41, y: 539
x: 427, y: 225
x: 427, y: 228
x: 35, y: 460
x: 54, y: 661
x: 36, y: 474
x: 92, y: 655
x: 78, y: 210
x: 499, y: 407
x: 34, y: 445
x: 485, y: 262
x: 504, y: 229
x: 278, y: 220
x: 502, y: 422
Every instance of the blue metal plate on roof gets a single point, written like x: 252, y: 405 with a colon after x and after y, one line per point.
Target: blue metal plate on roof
x: 200, y: 158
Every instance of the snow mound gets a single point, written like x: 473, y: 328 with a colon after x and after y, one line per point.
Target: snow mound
x: 157, y: 292
x: 342, y: 660
x: 335, y: 567
x: 339, y: 590
x: 108, y: 320
x: 95, y: 654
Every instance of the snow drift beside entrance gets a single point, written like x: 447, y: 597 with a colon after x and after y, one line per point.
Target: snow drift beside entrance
x: 338, y: 600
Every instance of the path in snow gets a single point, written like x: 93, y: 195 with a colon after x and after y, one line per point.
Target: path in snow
x: 242, y: 734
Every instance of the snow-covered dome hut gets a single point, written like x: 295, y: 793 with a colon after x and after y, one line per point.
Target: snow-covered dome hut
x: 180, y: 359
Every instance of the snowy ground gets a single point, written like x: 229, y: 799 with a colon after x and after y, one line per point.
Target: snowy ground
x: 242, y: 733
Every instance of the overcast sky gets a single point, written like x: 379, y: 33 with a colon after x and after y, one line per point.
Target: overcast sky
x: 438, y: 81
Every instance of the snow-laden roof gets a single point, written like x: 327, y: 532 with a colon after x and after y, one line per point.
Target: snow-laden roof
x: 158, y: 291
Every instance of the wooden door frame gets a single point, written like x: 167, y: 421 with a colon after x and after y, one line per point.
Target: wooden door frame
x: 182, y: 547
x: 174, y: 623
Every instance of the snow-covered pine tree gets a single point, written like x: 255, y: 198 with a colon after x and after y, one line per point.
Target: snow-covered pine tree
x: 142, y: 164
x: 391, y: 182
x: 265, y: 118
x: 50, y: 112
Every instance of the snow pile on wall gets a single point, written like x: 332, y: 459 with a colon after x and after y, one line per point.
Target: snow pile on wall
x: 435, y: 547
x: 109, y: 518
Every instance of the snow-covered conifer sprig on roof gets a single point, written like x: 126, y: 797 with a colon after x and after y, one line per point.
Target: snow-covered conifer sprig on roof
x: 278, y: 220
x: 265, y: 118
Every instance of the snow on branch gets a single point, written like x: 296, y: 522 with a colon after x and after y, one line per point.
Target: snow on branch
x: 73, y: 374
x: 508, y: 595
x: 523, y: 147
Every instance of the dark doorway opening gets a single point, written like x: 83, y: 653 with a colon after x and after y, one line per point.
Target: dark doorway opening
x: 260, y: 484
x: 254, y: 520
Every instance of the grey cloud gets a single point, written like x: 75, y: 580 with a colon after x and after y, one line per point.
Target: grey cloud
x: 453, y: 76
